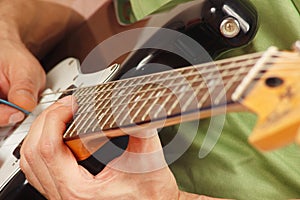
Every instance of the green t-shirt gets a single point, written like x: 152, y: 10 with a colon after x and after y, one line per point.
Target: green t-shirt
x: 233, y: 169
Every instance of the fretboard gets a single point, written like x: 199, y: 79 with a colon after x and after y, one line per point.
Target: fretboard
x: 157, y: 97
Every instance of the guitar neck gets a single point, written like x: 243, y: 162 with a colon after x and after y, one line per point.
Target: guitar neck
x: 156, y: 100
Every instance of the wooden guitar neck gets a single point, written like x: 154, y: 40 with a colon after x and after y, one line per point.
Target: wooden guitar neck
x: 162, y: 99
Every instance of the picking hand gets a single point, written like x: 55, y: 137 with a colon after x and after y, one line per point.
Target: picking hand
x: 21, y: 80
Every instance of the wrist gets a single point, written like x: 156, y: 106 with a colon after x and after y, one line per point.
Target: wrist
x: 12, y: 20
x: 9, y: 31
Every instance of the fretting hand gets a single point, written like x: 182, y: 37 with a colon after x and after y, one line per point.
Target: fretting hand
x: 139, y: 173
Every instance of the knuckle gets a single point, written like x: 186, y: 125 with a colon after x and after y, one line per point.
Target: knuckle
x: 51, y: 115
x: 23, y: 165
x: 46, y: 149
x: 29, y: 155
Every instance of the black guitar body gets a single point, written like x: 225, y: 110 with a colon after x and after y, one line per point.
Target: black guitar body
x: 212, y: 27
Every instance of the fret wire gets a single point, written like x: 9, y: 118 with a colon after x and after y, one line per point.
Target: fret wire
x: 102, y: 115
x: 93, y: 119
x: 99, y: 116
x: 127, y: 103
x: 202, y: 85
x: 184, y: 107
x: 168, y: 86
x: 203, y: 99
x: 187, y: 103
x: 206, y: 95
x: 185, y: 76
x: 78, y: 117
x: 253, y: 56
x: 178, y: 71
x: 125, y: 117
x: 85, y: 120
x: 173, y: 86
x: 104, y: 86
x: 83, y: 104
x: 90, y: 116
x: 151, y: 106
x: 156, y: 81
x: 129, y: 90
x: 231, y: 81
x: 98, y: 122
x: 131, y: 109
x: 163, y: 105
x: 106, y: 120
x: 81, y: 94
x: 225, y: 85
x: 75, y: 128
x: 177, y: 99
x: 69, y: 129
x: 76, y: 123
x: 141, y: 107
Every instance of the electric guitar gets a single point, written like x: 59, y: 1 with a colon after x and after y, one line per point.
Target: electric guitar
x: 109, y: 109
x: 116, y: 108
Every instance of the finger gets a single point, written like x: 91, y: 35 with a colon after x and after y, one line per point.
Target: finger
x: 9, y: 115
x: 33, y: 166
x: 30, y: 154
x: 31, y: 178
x: 145, y: 141
x: 145, y: 152
x: 25, y: 85
x: 58, y: 158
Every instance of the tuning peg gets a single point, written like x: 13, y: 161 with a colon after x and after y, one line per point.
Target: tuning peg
x: 296, y: 46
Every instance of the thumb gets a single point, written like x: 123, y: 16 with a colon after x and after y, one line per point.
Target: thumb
x: 145, y: 152
x: 145, y: 141
x: 24, y: 92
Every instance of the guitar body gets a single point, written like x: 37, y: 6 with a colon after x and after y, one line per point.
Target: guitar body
x: 199, y: 20
x: 11, y: 177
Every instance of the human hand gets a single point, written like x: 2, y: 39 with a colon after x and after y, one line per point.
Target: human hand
x: 139, y: 173
x: 21, y: 80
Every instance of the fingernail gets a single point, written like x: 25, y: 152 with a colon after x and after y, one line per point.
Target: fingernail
x: 66, y: 101
x: 27, y: 94
x: 16, y: 117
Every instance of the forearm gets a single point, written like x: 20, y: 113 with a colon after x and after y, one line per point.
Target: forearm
x: 37, y: 23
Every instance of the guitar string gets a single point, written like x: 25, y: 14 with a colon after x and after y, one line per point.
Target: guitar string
x: 100, y: 110
x: 160, y: 95
x: 163, y: 80
x: 23, y: 131
x: 149, y: 83
x: 175, y: 77
x: 204, y: 65
x: 158, y: 82
x: 136, y: 78
x: 133, y: 86
x: 24, y: 124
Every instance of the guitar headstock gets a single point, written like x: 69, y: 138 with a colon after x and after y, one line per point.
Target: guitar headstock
x: 275, y: 98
